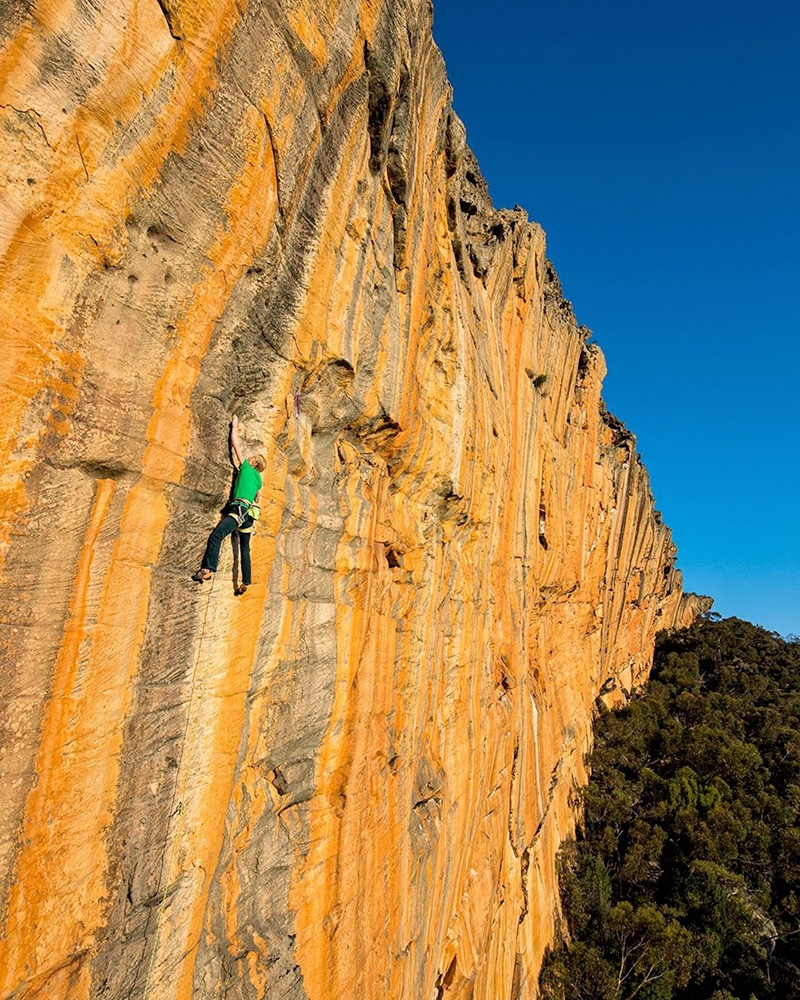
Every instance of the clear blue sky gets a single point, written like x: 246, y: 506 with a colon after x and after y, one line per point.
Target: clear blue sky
x: 659, y: 146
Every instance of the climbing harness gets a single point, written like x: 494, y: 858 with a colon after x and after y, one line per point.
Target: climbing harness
x: 241, y: 510
x: 248, y: 524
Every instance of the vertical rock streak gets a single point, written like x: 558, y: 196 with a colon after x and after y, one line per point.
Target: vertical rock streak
x: 353, y: 781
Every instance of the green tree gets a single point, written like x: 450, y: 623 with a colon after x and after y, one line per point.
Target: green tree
x: 684, y: 880
x: 649, y: 949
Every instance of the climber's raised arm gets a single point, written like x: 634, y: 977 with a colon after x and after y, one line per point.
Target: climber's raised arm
x: 235, y: 443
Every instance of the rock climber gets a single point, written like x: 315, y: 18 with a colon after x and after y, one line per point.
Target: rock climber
x: 239, y: 514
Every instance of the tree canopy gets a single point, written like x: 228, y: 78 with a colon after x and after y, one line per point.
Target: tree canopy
x: 684, y: 880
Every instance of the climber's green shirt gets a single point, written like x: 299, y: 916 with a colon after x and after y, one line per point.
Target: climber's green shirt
x: 248, y: 483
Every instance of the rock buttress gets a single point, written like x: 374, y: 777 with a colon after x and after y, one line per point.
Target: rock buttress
x: 353, y: 781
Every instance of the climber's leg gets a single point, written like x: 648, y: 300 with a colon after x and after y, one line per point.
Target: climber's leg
x: 244, y: 552
x: 211, y: 556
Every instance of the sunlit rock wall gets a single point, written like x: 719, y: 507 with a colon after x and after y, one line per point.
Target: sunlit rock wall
x: 351, y: 782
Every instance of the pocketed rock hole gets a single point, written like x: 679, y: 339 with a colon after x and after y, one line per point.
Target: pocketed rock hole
x: 394, y: 557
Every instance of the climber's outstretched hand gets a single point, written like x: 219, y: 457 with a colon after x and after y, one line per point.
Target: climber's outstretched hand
x: 235, y: 443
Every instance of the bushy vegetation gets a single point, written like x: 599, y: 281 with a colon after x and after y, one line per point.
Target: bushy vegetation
x: 684, y: 883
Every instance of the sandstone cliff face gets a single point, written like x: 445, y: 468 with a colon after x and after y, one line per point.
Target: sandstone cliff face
x: 353, y: 781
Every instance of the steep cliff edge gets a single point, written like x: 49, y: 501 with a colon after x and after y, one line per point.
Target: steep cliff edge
x: 352, y: 782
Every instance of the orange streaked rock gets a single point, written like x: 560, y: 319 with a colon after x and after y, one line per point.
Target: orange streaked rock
x: 353, y: 780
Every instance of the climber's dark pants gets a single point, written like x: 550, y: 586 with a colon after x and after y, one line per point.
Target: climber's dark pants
x: 226, y: 527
